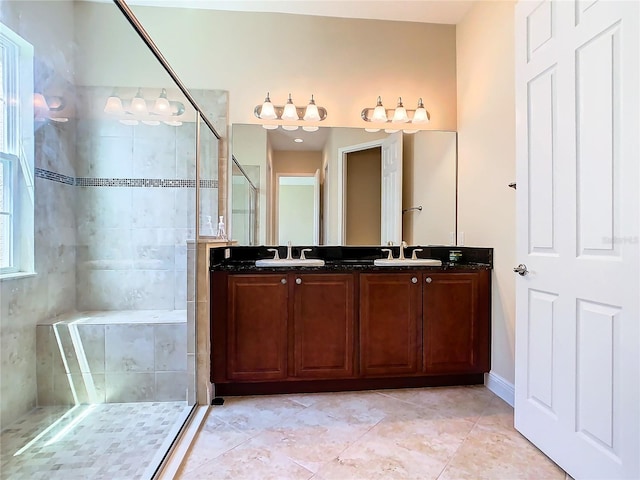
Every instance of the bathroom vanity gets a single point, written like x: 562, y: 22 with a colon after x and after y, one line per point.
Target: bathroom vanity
x: 348, y: 324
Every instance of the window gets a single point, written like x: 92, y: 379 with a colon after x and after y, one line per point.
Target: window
x: 16, y: 153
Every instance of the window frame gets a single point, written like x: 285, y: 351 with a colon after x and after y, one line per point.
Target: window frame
x: 16, y: 151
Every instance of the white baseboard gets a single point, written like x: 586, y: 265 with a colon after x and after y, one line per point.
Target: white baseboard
x: 498, y: 385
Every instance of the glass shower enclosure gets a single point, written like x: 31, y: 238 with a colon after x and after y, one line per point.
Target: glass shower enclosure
x: 98, y: 361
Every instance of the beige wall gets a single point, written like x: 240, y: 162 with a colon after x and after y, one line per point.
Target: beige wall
x: 345, y: 63
x: 429, y: 181
x: 363, y: 197
x: 486, y: 136
x: 251, y: 150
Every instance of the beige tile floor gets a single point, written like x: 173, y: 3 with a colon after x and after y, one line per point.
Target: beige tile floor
x: 444, y: 433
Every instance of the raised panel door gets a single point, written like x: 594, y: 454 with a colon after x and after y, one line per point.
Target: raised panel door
x: 456, y: 322
x: 323, y: 320
x: 257, y: 313
x: 390, y: 326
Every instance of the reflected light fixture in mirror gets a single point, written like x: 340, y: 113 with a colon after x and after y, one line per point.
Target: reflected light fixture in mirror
x: 138, y: 105
x: 138, y: 110
x: 48, y: 107
x: 161, y: 105
x: 398, y: 116
x: 290, y: 115
x: 113, y: 105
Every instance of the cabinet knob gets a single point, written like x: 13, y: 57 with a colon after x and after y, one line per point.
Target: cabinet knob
x: 298, y: 281
x: 414, y: 280
x: 428, y: 280
x: 283, y: 281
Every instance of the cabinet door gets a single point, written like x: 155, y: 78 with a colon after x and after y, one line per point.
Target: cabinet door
x: 323, y: 319
x: 390, y: 326
x: 257, y: 313
x: 456, y: 322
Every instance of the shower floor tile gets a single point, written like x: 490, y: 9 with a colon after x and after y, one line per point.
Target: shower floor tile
x: 105, y: 441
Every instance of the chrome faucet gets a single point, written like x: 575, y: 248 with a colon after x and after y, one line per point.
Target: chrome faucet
x: 403, y: 245
x: 289, y: 257
x: 302, y: 257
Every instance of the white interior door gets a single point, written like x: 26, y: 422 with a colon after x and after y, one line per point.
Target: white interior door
x: 577, y: 328
x: 391, y: 195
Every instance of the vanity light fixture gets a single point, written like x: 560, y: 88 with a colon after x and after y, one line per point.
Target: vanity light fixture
x: 114, y: 104
x: 48, y: 108
x: 397, y: 117
x: 161, y: 105
x: 138, y: 105
x: 149, y: 112
x: 289, y: 115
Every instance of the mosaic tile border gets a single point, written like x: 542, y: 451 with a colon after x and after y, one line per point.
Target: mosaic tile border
x: 55, y: 177
x: 123, y: 182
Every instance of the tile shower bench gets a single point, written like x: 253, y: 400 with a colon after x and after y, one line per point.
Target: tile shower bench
x: 112, y: 357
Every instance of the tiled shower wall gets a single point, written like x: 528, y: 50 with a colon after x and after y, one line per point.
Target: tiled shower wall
x: 132, y: 240
x: 100, y: 245
x: 52, y: 291
x: 136, y: 209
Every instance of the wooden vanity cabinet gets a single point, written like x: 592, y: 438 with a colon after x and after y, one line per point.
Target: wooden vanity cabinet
x: 456, y: 322
x: 304, y: 331
x: 390, y: 323
x: 284, y: 326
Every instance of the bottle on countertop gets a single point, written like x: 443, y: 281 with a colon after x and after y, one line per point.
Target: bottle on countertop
x: 208, y: 227
x: 222, y: 232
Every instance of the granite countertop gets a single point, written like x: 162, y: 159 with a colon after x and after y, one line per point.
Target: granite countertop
x: 242, y: 259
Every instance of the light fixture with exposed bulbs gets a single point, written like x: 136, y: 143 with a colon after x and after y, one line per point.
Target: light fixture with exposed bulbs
x: 394, y: 120
x: 148, y: 112
x: 289, y: 116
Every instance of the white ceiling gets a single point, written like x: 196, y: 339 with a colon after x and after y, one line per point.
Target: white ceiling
x: 424, y: 11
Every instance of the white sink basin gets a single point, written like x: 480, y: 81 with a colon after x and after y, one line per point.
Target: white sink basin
x: 293, y: 262
x: 407, y: 262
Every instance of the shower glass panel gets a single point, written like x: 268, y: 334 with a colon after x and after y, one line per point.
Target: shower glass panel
x: 98, y: 340
x: 243, y: 202
x: 209, y: 146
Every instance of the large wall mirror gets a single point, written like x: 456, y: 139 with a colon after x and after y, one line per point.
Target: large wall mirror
x: 352, y: 187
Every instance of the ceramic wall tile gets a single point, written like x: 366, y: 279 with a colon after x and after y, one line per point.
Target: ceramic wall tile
x: 154, y: 157
x: 111, y: 157
x: 129, y: 348
x: 191, y: 327
x: 186, y: 152
x: 154, y: 257
x: 180, y: 289
x: 153, y: 207
x: 171, y: 386
x: 171, y: 347
x: 130, y: 387
x: 91, y: 347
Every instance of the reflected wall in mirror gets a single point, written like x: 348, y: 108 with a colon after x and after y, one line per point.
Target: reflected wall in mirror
x: 352, y: 181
